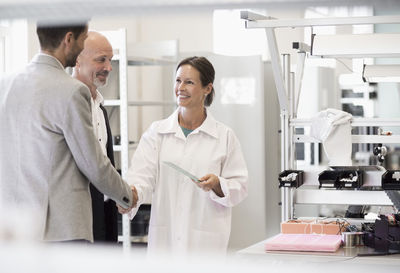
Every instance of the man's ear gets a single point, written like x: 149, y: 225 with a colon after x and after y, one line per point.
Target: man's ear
x: 68, y: 38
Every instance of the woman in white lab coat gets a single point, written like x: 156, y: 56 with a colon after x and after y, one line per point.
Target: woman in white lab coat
x: 187, y: 216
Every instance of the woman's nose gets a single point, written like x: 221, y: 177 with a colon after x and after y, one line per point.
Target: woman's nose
x: 181, y: 86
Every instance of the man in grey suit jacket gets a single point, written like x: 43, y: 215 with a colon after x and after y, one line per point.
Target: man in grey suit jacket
x: 48, y: 151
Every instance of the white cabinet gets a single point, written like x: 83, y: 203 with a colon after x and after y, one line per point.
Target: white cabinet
x: 139, y: 91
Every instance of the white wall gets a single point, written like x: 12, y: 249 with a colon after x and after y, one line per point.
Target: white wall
x: 17, y: 43
x: 244, y: 113
x: 33, y: 41
x: 192, y: 29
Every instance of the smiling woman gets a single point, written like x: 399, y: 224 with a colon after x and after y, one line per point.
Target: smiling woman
x: 194, y: 90
x: 189, y: 216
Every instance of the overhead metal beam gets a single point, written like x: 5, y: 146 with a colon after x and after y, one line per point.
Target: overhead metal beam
x: 252, y: 16
x: 367, y: 139
x: 332, y: 21
x: 356, y: 45
x: 277, y: 69
x: 354, y: 122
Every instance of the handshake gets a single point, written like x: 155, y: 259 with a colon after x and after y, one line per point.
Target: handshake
x: 134, y: 203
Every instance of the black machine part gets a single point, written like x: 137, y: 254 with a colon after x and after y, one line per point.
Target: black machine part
x: 355, y: 211
x: 394, y: 196
x: 342, y: 178
x: 291, y: 178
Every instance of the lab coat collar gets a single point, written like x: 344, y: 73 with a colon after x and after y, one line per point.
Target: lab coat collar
x: 171, y: 125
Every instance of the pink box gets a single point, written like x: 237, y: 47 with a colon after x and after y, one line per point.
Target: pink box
x: 313, y: 227
x: 304, y: 242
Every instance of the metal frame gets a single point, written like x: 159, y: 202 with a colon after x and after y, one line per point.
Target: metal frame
x: 383, y: 45
x: 255, y: 20
x: 381, y: 73
x: 169, y: 49
x: 119, y: 44
x: 288, y: 91
x: 123, y: 86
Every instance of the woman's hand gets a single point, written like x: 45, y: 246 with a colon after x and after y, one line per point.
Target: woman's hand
x: 211, y: 182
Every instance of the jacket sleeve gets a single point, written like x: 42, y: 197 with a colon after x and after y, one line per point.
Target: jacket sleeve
x: 234, y: 174
x: 144, y: 167
x: 86, y: 150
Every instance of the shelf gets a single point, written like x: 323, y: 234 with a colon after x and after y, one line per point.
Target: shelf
x: 354, y: 122
x: 163, y: 54
x: 367, y: 139
x: 135, y: 239
x: 117, y: 148
x: 372, y: 177
x: 112, y: 102
x: 141, y: 61
x: 144, y: 61
x: 356, y: 101
x: 140, y: 103
x: 346, y: 197
x: 151, y: 103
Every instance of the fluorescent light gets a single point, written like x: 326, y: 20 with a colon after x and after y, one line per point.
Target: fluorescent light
x: 381, y: 73
x: 356, y: 45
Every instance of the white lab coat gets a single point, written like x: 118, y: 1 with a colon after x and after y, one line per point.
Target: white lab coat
x: 184, y: 218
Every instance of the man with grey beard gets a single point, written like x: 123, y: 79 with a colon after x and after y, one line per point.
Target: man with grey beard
x: 93, y: 66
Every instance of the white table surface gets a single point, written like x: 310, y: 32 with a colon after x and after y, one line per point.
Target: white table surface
x: 343, y: 257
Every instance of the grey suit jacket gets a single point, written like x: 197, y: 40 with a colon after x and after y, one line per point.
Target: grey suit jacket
x: 49, y: 153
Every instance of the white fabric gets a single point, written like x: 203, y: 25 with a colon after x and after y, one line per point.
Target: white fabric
x: 332, y: 127
x: 184, y: 218
x: 99, y: 123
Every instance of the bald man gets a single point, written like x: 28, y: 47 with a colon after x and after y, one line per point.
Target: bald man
x: 93, y: 66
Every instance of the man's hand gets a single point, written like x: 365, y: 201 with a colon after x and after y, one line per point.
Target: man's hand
x: 134, y: 203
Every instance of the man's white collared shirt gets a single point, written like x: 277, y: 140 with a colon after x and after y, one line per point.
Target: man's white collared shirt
x: 99, y: 122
